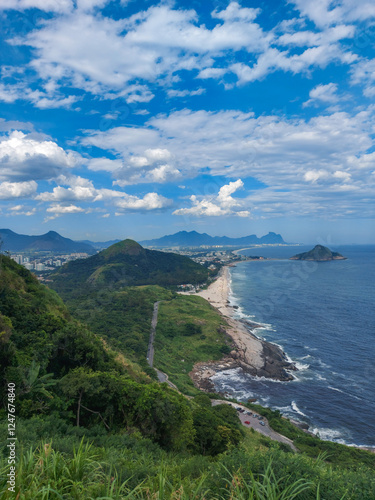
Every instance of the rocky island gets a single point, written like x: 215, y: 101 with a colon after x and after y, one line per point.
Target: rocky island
x: 320, y: 254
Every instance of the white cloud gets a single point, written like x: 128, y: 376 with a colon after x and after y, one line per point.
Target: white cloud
x: 185, y: 93
x: 323, y: 93
x: 151, y: 201
x: 215, y: 206
x: 46, y: 5
x: 289, y: 155
x: 83, y: 191
x: 329, y: 12
x: 11, y: 190
x: 124, y: 57
x: 363, y: 73
x: 23, y: 158
x: 96, y: 53
x: 40, y: 99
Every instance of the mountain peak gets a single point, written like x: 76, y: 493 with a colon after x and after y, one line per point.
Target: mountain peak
x: 125, y: 247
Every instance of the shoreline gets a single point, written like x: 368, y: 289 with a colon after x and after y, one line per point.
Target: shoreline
x: 254, y: 355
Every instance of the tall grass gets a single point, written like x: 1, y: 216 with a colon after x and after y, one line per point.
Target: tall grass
x: 47, y: 474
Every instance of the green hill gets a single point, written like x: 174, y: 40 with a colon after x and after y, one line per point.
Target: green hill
x: 320, y: 254
x: 91, y: 424
x: 126, y: 264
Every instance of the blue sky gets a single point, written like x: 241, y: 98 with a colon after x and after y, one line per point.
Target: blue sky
x: 138, y: 119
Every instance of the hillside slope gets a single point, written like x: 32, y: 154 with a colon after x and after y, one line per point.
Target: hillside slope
x: 126, y: 264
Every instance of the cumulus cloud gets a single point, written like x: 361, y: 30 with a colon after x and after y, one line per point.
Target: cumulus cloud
x: 46, y: 5
x: 81, y: 190
x: 151, y: 201
x: 286, y: 154
x: 24, y: 158
x: 125, y: 57
x: 10, y: 190
x: 40, y: 99
x: 323, y: 94
x: 363, y: 73
x: 329, y: 12
x: 215, y: 206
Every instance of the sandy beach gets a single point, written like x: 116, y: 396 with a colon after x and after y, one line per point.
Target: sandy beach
x: 252, y: 354
x: 249, y: 347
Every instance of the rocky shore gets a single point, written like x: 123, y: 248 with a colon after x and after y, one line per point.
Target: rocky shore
x: 255, y: 356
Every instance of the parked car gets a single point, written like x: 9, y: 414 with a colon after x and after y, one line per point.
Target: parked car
x: 262, y: 423
x: 255, y: 415
x: 247, y: 422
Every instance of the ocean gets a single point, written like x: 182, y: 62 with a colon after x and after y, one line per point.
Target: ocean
x: 323, y: 316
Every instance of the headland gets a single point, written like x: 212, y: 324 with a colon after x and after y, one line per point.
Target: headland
x: 254, y: 355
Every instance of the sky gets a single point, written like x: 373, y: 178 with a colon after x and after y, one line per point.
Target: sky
x: 139, y: 118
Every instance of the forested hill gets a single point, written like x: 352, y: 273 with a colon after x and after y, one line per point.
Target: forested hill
x: 125, y: 264
x: 319, y: 254
x: 66, y: 375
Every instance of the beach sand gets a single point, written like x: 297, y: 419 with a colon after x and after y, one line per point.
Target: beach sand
x: 250, y: 347
x: 255, y: 356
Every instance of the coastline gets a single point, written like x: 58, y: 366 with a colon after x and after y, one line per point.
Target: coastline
x: 254, y: 355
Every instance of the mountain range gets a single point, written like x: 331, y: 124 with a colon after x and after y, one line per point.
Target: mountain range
x: 195, y: 239
x: 54, y: 242
x: 50, y: 242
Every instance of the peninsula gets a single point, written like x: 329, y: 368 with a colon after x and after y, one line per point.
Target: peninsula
x: 319, y: 254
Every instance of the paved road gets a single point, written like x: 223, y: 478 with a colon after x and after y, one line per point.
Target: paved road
x: 162, y: 377
x: 154, y: 322
x: 256, y: 425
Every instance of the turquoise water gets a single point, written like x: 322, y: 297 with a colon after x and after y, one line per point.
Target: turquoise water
x: 323, y: 316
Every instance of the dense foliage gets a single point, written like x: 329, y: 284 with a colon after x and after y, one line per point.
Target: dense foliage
x: 92, y: 424
x: 125, y: 264
x: 189, y: 330
x: 61, y: 367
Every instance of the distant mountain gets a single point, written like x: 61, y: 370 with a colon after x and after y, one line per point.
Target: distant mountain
x: 194, y: 239
x: 100, y: 245
x: 51, y: 241
x: 320, y: 254
x: 124, y: 264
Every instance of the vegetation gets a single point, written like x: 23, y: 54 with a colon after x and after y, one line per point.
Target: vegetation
x: 92, y: 424
x: 319, y: 253
x: 311, y: 445
x: 189, y: 330
x: 126, y: 264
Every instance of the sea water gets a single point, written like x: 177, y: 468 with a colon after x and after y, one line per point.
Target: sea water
x: 322, y: 315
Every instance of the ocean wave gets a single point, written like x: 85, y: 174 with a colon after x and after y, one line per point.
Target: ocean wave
x: 328, y: 434
x: 297, y: 410
x: 301, y: 366
x: 335, y: 389
x: 308, y: 348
